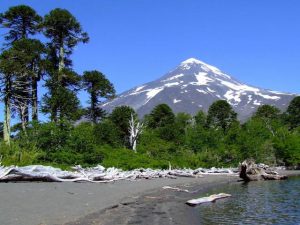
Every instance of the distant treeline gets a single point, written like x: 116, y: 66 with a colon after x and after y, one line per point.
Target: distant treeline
x: 119, y: 139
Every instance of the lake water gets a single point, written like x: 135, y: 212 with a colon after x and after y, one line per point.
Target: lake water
x: 271, y: 202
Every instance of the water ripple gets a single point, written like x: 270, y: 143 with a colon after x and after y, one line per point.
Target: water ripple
x: 263, y: 203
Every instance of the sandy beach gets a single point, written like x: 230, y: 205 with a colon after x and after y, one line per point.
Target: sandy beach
x: 122, y: 202
x: 59, y: 203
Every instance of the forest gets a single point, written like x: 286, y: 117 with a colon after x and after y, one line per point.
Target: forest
x: 37, y: 51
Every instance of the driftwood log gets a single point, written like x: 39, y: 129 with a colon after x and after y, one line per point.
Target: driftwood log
x: 249, y: 171
x: 97, y: 174
x: 211, y: 198
x: 176, y: 189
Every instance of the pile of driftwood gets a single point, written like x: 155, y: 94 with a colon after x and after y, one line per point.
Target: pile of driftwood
x: 249, y: 171
x: 97, y: 174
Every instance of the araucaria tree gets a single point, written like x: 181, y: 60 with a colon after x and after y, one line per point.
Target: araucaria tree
x: 99, y: 87
x: 22, y: 65
x: 22, y: 22
x: 161, y: 116
x: 65, y: 32
x: 221, y: 115
x: 293, y: 113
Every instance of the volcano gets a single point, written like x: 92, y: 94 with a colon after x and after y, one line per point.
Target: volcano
x: 194, y: 86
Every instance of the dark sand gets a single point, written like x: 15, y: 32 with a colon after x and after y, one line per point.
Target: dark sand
x: 122, y: 202
x: 158, y: 206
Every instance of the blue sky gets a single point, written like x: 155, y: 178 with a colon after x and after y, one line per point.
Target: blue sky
x: 136, y: 41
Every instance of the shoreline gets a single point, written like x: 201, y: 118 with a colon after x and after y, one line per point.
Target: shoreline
x: 59, y: 203
x: 86, y: 203
x: 157, y: 206
x: 160, y: 206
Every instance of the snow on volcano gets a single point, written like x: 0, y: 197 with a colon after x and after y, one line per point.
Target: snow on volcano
x: 195, y: 85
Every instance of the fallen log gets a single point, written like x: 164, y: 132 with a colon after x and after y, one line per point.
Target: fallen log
x: 211, y: 198
x: 175, y: 189
x: 249, y: 171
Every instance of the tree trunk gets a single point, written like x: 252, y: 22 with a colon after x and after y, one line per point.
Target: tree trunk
x: 6, y: 125
x: 56, y: 115
x: 26, y: 113
x: 93, y: 107
x: 7, y: 114
x: 34, y: 100
x: 135, y: 129
x: 61, y: 64
x: 23, y: 110
x: 134, y: 145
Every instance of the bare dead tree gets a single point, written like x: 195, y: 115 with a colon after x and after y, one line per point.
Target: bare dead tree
x: 22, y: 108
x: 135, y: 129
x: 21, y: 97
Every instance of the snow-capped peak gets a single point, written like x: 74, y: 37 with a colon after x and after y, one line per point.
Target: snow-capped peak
x: 194, y: 85
x: 192, y: 61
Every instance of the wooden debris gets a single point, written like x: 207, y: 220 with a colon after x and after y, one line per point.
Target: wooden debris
x: 175, y: 189
x: 211, y: 198
x: 249, y: 171
x: 97, y: 174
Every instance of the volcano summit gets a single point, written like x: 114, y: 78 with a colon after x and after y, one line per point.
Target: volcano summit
x: 194, y: 86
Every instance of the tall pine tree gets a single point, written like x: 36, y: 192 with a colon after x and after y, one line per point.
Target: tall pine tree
x: 64, y: 32
x: 22, y: 22
x: 99, y: 87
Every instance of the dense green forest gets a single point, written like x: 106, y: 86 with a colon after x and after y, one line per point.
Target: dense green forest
x: 119, y: 139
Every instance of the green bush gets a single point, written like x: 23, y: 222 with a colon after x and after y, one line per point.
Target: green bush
x: 16, y: 155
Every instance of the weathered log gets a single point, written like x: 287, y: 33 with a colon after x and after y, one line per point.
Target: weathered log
x: 96, y: 174
x: 249, y: 171
x: 211, y: 198
x: 175, y: 189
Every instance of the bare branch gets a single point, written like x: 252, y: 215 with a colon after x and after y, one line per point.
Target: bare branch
x: 135, y: 130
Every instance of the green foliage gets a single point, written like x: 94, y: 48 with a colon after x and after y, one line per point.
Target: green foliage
x: 162, y: 115
x: 154, y: 146
x: 24, y: 57
x: 126, y: 159
x: 81, y: 138
x: 221, y: 115
x: 293, y: 113
x: 62, y: 104
x: 21, y: 64
x: 267, y: 112
x: 182, y: 143
x: 287, y: 147
x: 120, y: 116
x: 200, y: 118
x: 1, y: 130
x: 98, y: 86
x: 106, y: 132
x: 65, y: 32
x: 21, y: 21
x: 63, y: 28
x: 215, y: 139
x: 183, y: 120
x: 48, y: 136
x: 252, y: 139
x: 16, y: 154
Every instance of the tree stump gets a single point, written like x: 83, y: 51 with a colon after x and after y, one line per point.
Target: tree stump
x: 249, y: 171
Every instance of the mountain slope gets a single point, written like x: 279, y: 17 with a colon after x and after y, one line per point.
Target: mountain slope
x: 195, y: 85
